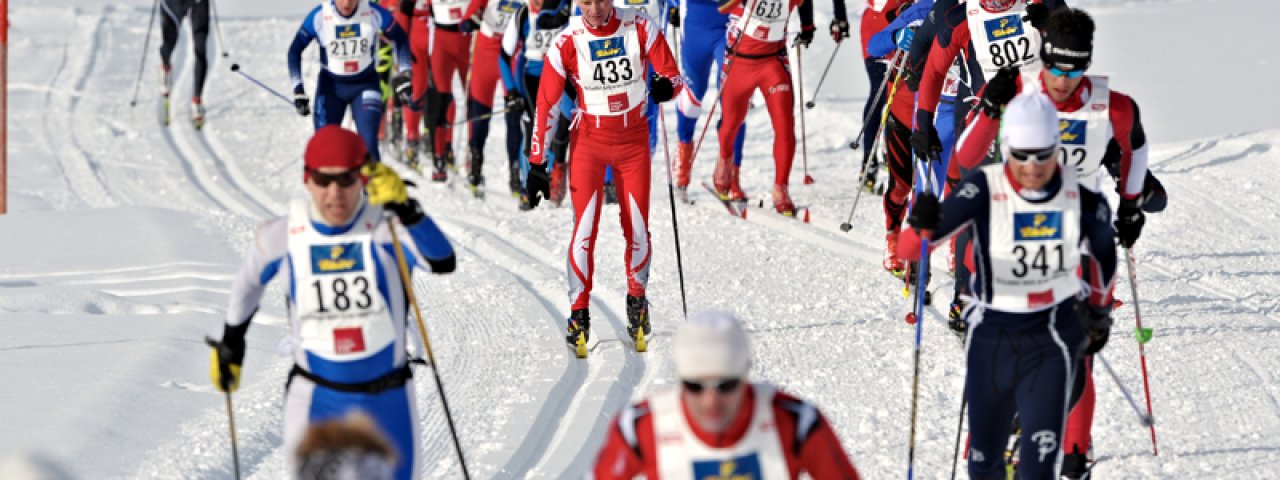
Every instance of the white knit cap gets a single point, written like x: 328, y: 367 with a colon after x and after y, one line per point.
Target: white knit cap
x: 1030, y: 122
x: 711, y: 344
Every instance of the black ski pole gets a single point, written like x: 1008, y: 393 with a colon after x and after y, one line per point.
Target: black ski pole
x: 224, y: 352
x: 810, y: 103
x: 146, y: 44
x: 671, y: 196
x: 235, y: 67
x: 217, y: 28
x: 955, y: 455
x: 1143, y: 418
x: 479, y: 117
x: 898, y: 62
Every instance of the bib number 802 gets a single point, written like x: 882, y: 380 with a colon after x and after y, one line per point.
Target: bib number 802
x: 619, y: 70
x: 1010, y: 52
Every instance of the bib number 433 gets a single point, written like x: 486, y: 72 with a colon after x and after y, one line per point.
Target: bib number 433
x: 613, y: 71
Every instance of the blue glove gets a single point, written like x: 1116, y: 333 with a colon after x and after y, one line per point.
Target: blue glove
x: 904, y: 38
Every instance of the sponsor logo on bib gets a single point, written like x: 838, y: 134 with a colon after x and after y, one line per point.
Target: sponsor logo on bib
x: 1072, y: 132
x: 637, y: 2
x: 350, y: 30
x: 340, y: 258
x: 1003, y: 27
x: 746, y: 467
x: 618, y: 102
x: 348, y: 340
x: 607, y: 48
x: 507, y: 6
x: 1037, y: 226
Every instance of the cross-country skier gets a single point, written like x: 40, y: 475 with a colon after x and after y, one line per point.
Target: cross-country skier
x: 348, y: 34
x: 346, y: 302
x: 1098, y: 127
x: 702, y: 33
x: 174, y: 10
x: 485, y: 75
x: 757, y: 43
x: 606, y: 53
x: 876, y: 15
x: 1033, y: 226
x: 450, y: 32
x: 718, y: 424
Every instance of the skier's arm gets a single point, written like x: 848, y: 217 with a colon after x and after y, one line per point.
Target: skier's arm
x: 935, y: 69
x: 967, y: 204
x: 510, y: 45
x: 806, y: 15
x: 821, y: 455
x: 263, y: 262
x: 922, y: 45
x: 727, y: 6
x: 621, y: 457
x: 659, y: 54
x: 883, y: 43
x: 306, y: 34
x: 973, y: 144
x: 398, y: 36
x: 1128, y: 146
x: 1095, y: 225
x: 474, y: 7
x: 557, y: 66
x: 421, y: 241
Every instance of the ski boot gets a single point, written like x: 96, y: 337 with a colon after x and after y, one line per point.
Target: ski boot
x: 197, y: 113
x: 1075, y: 466
x: 166, y: 79
x: 610, y: 194
x: 411, y: 153
x: 869, y: 179
x: 449, y: 159
x: 782, y: 201
x: 579, y: 331
x: 912, y: 274
x: 955, y: 318
x: 723, y: 178
x: 891, y: 263
x: 638, y: 319
x: 439, y: 174
x: 513, y: 180
x: 683, y: 167
x: 475, y: 180
x: 735, y: 189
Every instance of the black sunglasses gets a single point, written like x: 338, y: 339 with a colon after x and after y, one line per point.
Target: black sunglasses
x: 726, y: 385
x: 1035, y: 156
x: 344, y: 179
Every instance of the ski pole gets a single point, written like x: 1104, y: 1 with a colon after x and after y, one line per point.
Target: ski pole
x: 898, y: 62
x: 724, y: 79
x: 235, y: 67
x: 1143, y: 336
x: 955, y: 455
x: 407, y: 280
x: 1145, y: 419
x: 823, y: 79
x: 671, y: 196
x: 224, y: 352
x: 804, y: 144
x: 884, y: 114
x: 480, y: 117
x: 146, y: 44
x: 918, y: 312
x: 217, y: 28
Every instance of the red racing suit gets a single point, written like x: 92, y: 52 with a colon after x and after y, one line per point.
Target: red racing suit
x: 607, y: 64
x: 485, y: 75
x: 450, y: 54
x: 420, y: 47
x: 758, y: 43
x: 772, y: 431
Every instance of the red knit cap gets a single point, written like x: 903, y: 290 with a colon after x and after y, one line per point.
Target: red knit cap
x: 334, y: 146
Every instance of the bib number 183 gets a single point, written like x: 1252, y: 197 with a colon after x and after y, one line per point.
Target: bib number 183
x: 344, y: 295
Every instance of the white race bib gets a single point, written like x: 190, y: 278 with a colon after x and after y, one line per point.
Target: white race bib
x: 1085, y: 133
x: 349, y: 43
x: 1034, y: 247
x: 496, y: 15
x: 537, y: 41
x: 448, y: 12
x: 681, y: 455
x: 611, y: 69
x: 764, y: 20
x: 1003, y: 39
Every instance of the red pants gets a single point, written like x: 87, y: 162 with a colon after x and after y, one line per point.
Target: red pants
x: 897, y: 148
x: 1080, y: 422
x: 626, y: 150
x: 450, y: 54
x: 485, y: 78
x: 419, y: 46
x: 773, y: 77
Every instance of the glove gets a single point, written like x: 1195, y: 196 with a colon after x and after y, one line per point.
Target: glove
x: 661, y: 89
x: 904, y: 37
x: 999, y: 91
x: 925, y: 213
x: 469, y: 25
x: 403, y: 87
x: 925, y: 141
x: 300, y: 102
x: 1097, y: 324
x: 839, y: 30
x: 1038, y: 15
x: 514, y: 103
x: 555, y: 20
x: 805, y: 37
x: 1129, y: 221
x: 673, y: 16
x: 537, y: 185
x: 388, y: 190
x: 226, y: 357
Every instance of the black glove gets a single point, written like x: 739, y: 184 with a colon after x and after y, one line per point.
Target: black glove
x: 556, y: 20
x: 805, y: 37
x: 673, y: 16
x: 1097, y: 324
x: 661, y: 89
x: 515, y: 103
x: 538, y: 184
x: 839, y: 30
x: 999, y: 91
x: 406, y: 7
x: 1038, y: 15
x: 926, y: 213
x: 469, y: 25
x: 300, y: 102
x: 925, y: 141
x: 403, y: 88
x: 1129, y: 220
x: 410, y: 213
x: 227, y: 357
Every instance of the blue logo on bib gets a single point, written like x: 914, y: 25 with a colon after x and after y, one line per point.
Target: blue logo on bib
x: 607, y: 48
x: 636, y: 3
x: 746, y: 467
x: 1072, y: 132
x: 508, y: 6
x: 351, y: 30
x: 339, y: 258
x: 1003, y: 27
x: 1037, y: 226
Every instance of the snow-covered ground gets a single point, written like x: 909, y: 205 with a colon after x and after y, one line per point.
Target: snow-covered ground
x: 122, y: 237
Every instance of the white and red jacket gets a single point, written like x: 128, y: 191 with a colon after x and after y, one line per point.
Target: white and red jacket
x: 609, y: 67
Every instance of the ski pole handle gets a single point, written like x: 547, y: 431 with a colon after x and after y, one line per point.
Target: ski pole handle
x: 235, y: 67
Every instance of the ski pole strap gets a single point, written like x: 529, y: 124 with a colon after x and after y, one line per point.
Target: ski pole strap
x: 396, y: 379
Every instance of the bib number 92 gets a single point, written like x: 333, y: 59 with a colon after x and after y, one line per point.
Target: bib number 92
x: 1073, y: 156
x: 1010, y: 52
x: 613, y: 71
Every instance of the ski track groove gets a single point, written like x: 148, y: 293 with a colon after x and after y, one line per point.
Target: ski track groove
x: 83, y: 178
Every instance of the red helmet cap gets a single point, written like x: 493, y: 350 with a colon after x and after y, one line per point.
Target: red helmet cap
x: 334, y: 146
x: 995, y: 6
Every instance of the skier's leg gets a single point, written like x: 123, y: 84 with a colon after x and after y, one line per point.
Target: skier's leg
x: 779, y: 99
x: 631, y: 179
x: 297, y: 416
x: 484, y: 82
x: 734, y: 103
x: 419, y: 46
x: 366, y: 110
x: 199, y: 43
x: 897, y: 136
x: 1047, y: 358
x: 989, y: 384
x: 947, y: 133
x: 876, y: 71
x: 587, y: 179
x: 330, y: 106
x: 172, y: 11
x: 394, y: 413
x: 1080, y: 421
